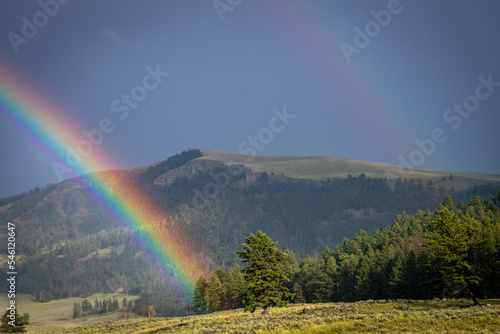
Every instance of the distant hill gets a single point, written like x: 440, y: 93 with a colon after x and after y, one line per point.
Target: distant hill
x: 321, y: 168
x: 66, y: 246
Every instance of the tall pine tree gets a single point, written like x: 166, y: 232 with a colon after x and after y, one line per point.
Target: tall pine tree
x: 448, y: 245
x: 264, y: 276
x: 215, y: 293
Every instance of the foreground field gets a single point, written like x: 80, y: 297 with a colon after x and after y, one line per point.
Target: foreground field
x: 359, y: 317
x: 56, y: 316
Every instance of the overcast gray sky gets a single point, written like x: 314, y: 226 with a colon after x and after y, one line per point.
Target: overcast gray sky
x: 412, y: 82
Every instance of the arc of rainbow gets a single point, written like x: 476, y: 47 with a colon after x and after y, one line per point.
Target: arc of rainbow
x: 44, y: 126
x: 320, y: 34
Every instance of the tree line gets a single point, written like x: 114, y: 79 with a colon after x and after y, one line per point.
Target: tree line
x: 86, y: 308
x: 172, y: 162
x: 451, y: 252
x: 297, y: 212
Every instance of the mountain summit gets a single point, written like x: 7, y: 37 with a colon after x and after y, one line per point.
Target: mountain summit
x: 198, y: 206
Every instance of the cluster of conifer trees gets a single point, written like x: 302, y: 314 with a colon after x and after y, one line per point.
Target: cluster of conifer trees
x: 99, y: 307
x: 223, y: 291
x: 451, y: 252
x: 172, y: 162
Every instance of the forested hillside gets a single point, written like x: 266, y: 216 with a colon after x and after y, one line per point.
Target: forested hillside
x: 67, y: 246
x: 451, y: 252
x: 304, y: 215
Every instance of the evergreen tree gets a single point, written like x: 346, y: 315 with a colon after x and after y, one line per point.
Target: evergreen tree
x: 199, y: 304
x: 115, y: 304
x: 86, y: 307
x: 223, y: 294
x: 448, y: 204
x: 264, y: 276
x: 215, y: 293
x: 76, y: 310
x: 16, y: 325
x: 347, y: 276
x: 410, y: 279
x: 290, y: 267
x: 331, y: 267
x: 331, y: 270
x: 299, y: 296
x: 104, y: 307
x: 318, y: 286
x: 237, y: 287
x: 221, y: 274
x: 447, y: 246
x: 97, y: 307
x: 395, y: 279
x: 362, y: 289
x: 46, y: 296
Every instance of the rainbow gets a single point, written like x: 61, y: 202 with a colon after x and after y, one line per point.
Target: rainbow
x: 319, y: 32
x: 47, y: 131
x: 44, y: 126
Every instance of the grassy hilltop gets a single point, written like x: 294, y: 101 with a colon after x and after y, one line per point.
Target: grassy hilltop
x: 321, y: 168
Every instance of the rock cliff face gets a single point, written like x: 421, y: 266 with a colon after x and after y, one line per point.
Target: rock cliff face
x: 188, y: 170
x: 192, y: 168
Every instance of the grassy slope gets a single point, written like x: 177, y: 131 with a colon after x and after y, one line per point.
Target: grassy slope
x: 319, y: 168
x: 359, y: 317
x: 57, y: 314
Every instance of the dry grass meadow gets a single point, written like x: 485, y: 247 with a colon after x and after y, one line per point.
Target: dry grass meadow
x: 402, y: 316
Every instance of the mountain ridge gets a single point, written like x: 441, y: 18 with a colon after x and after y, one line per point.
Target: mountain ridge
x: 314, y: 167
x: 373, y: 169
x: 58, y: 225
x: 321, y: 168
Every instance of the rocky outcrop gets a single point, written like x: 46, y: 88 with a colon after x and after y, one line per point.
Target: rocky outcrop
x: 307, y: 310
x: 194, y: 167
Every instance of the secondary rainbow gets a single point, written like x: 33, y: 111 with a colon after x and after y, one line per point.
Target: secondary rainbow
x: 43, y: 126
x: 319, y: 33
